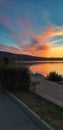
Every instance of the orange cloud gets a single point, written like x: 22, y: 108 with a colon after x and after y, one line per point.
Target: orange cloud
x: 38, y: 51
x: 45, y: 36
x: 49, y: 32
x: 45, y: 47
x: 41, y: 53
x: 41, y: 46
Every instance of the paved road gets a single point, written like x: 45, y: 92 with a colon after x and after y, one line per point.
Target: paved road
x: 48, y: 89
x: 12, y: 117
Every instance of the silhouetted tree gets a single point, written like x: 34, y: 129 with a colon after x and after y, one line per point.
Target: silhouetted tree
x: 6, y: 60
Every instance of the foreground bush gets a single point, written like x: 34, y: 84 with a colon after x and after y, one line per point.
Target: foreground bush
x: 53, y: 76
x: 15, y: 78
x: 5, y: 61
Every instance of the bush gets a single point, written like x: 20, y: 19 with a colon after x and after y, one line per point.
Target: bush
x: 15, y: 78
x: 5, y: 61
x: 53, y: 76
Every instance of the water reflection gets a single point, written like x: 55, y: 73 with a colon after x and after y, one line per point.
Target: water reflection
x: 45, y: 68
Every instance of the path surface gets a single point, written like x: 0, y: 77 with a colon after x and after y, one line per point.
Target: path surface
x: 48, y: 88
x: 12, y: 117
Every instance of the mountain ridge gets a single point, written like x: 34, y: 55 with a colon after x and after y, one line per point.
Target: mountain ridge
x: 23, y: 57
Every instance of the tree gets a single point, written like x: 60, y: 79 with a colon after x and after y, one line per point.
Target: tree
x: 6, y: 60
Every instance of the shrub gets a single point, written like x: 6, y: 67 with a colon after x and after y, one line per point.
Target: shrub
x: 15, y: 78
x: 53, y: 76
x: 5, y: 61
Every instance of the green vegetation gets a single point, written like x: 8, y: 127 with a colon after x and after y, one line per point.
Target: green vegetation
x: 5, y: 61
x: 14, y: 78
x: 47, y: 111
x: 53, y: 76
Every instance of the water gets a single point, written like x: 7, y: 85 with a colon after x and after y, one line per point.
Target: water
x: 47, y: 67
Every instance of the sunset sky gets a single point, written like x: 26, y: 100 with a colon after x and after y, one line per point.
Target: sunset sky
x: 33, y: 27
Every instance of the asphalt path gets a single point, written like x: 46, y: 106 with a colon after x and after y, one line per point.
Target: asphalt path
x: 13, y: 117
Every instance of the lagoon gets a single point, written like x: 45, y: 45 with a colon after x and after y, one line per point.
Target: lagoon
x: 46, y: 67
x: 43, y: 67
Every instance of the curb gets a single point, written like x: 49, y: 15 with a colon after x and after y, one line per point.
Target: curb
x: 58, y: 103
x: 32, y: 115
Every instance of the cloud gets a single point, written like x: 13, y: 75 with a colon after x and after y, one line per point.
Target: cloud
x: 41, y: 44
x: 29, y: 48
x: 49, y: 33
x: 44, y: 37
x: 56, y: 41
x: 28, y: 40
x: 25, y: 29
x: 45, y: 47
x: 37, y: 51
x: 10, y: 49
x: 7, y: 24
x: 46, y: 16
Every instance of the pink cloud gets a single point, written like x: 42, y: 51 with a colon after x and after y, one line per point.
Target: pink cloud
x: 27, y: 28
x: 44, y: 47
x: 10, y: 49
x: 26, y: 25
x: 8, y: 24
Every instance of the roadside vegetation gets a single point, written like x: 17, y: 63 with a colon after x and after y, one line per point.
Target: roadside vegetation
x: 4, y: 61
x: 13, y: 77
x: 17, y: 80
x: 53, y: 76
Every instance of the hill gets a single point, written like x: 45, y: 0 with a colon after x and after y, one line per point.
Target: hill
x: 22, y: 57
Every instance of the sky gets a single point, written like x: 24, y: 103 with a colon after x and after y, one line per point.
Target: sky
x: 33, y: 27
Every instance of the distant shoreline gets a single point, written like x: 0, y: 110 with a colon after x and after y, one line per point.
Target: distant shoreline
x: 38, y: 62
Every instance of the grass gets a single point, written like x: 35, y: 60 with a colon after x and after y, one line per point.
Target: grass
x: 48, y: 111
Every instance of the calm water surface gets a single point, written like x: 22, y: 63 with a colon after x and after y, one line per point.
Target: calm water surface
x: 45, y: 67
